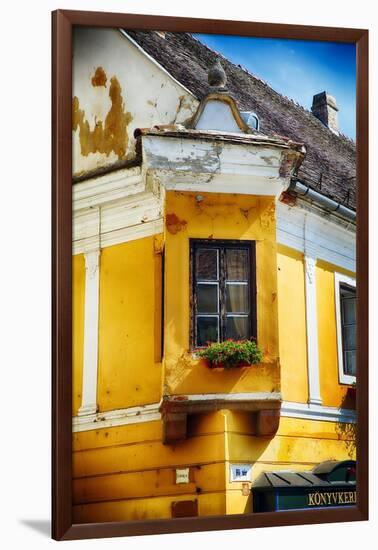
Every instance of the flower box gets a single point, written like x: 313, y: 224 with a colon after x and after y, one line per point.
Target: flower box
x: 231, y: 354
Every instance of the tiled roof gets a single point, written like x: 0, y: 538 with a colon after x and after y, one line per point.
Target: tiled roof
x: 329, y: 166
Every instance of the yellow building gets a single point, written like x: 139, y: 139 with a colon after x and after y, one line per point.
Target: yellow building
x: 196, y: 221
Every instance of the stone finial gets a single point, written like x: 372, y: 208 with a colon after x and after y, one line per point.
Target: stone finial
x: 216, y: 76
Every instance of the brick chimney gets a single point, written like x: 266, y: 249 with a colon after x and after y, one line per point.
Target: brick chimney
x: 325, y: 109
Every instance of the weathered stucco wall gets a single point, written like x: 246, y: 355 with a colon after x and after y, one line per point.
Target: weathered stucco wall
x: 117, y: 88
x: 126, y: 473
x: 333, y: 393
x: 292, y: 330
x: 292, y: 325
x: 218, y: 216
x: 127, y: 372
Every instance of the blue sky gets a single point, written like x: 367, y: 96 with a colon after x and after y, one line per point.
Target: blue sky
x: 298, y: 69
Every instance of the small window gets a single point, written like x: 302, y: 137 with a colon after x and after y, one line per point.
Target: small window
x: 345, y: 289
x: 223, y: 291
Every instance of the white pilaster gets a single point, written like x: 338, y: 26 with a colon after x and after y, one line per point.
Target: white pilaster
x: 89, y: 390
x: 314, y: 397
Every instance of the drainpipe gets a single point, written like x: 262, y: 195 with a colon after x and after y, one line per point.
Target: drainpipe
x: 330, y: 205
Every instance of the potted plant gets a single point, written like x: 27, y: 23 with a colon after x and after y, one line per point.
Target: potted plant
x: 231, y: 353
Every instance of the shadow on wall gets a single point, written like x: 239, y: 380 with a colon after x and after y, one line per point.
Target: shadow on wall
x: 238, y: 432
x: 347, y: 431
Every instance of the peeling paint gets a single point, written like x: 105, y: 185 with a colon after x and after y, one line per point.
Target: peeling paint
x: 288, y: 199
x: 269, y: 160
x: 268, y: 216
x: 99, y: 78
x: 107, y: 136
x: 247, y: 211
x: 158, y: 244
x: 174, y: 224
x: 289, y: 160
x: 185, y: 109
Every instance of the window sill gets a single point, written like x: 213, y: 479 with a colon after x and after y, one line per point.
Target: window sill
x: 346, y: 380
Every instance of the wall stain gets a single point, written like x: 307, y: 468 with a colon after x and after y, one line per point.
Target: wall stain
x: 99, y: 78
x: 267, y: 216
x: 174, y: 224
x: 107, y: 136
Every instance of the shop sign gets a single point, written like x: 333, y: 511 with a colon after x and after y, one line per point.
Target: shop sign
x: 297, y: 499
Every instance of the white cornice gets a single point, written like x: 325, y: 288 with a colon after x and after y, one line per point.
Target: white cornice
x: 197, y: 164
x: 317, y: 412
x: 120, y: 206
x: 316, y: 236
x: 108, y: 187
x: 118, y: 417
x: 132, y: 217
x: 127, y: 234
x: 149, y: 413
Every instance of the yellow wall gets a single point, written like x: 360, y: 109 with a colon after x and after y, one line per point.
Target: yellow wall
x: 333, y: 393
x: 292, y: 325
x: 78, y: 297
x: 298, y: 445
x: 292, y: 330
x: 218, y: 216
x: 127, y: 373
x: 126, y: 473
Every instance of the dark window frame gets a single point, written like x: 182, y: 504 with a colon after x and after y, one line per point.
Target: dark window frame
x: 349, y: 288
x: 222, y: 244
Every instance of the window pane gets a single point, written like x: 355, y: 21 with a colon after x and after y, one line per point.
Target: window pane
x: 206, y: 264
x: 349, y: 310
x: 237, y: 328
x: 236, y: 298
x: 349, y: 333
x: 350, y: 363
x: 207, y: 330
x: 207, y: 298
x: 236, y: 264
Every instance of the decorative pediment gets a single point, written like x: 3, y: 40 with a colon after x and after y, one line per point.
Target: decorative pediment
x: 218, y: 110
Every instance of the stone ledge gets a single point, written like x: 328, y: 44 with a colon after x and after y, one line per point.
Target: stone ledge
x: 176, y: 408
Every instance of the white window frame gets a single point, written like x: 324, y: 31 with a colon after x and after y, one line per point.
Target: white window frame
x: 339, y: 279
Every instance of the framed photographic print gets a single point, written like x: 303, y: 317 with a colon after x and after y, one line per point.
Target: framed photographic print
x: 210, y: 215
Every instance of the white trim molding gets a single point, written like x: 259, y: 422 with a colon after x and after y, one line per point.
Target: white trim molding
x: 109, y: 187
x: 341, y: 278
x: 316, y: 234
x: 314, y: 397
x: 113, y: 209
x: 318, y: 412
x: 118, y: 417
x: 200, y: 163
x: 89, y: 389
x: 150, y: 413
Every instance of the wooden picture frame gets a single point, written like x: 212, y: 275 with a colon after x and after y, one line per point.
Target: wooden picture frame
x: 63, y: 22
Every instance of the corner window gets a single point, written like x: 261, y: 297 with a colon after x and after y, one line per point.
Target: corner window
x: 223, y: 291
x: 345, y: 296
